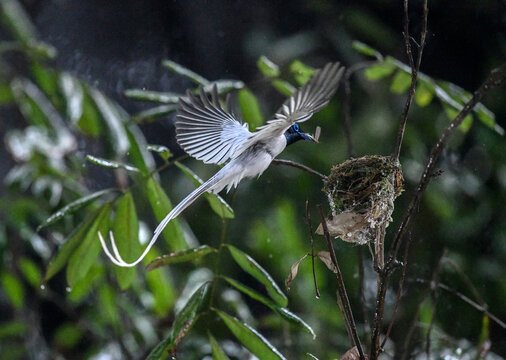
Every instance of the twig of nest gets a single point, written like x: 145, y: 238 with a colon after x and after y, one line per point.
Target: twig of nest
x: 361, y: 194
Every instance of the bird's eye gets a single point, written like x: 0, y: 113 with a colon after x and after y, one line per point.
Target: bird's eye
x: 296, y: 127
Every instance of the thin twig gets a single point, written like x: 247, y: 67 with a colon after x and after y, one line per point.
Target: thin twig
x: 298, y: 166
x: 495, y: 79
x: 414, y: 72
x: 348, y: 314
x: 399, y: 291
x: 361, y: 281
x: 481, y: 308
x: 435, y: 294
x: 308, y: 222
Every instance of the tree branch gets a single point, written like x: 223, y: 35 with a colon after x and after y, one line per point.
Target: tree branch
x: 414, y: 72
x: 496, y: 78
x: 298, y: 166
x: 345, y: 302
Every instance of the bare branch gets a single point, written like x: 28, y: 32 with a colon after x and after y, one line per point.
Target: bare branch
x: 496, y: 78
x: 345, y: 302
x: 298, y: 166
x: 308, y: 222
x: 414, y: 72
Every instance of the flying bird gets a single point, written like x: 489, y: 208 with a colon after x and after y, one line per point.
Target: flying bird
x: 214, y: 134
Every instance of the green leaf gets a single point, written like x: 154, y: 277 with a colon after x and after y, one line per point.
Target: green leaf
x: 218, y: 353
x: 138, y: 154
x: 13, y: 289
x: 248, y: 264
x: 74, y: 96
x: 114, y: 119
x: 110, y: 164
x: 484, y: 333
x: 452, y: 113
x: 47, y: 80
x: 301, y: 72
x: 160, y: 287
x: 380, y: 70
x: 487, y: 117
x: 267, y: 67
x: 250, y: 338
x: 216, y: 202
x: 83, y: 258
x: 154, y: 113
x: 126, y: 233
x: 73, y: 207
x: 181, y: 70
x: 424, y: 93
x: 183, y: 322
x: 30, y: 271
x: 400, y: 82
x: 283, y: 312
x: 284, y: 87
x: 250, y: 109
x: 161, y: 150
x: 6, y: 96
x: 89, y: 123
x: 365, y: 49
x: 72, y: 242
x: 13, y: 328
x: 224, y: 86
x: 108, y: 305
x: 180, y: 256
x: 161, y: 206
x: 68, y: 335
x: 153, y: 96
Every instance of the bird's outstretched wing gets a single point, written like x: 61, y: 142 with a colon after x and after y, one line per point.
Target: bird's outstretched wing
x: 206, y: 131
x: 310, y: 98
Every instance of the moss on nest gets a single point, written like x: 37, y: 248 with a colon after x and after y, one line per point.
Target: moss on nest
x: 361, y: 195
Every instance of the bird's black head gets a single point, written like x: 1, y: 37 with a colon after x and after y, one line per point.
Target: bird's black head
x: 295, y: 133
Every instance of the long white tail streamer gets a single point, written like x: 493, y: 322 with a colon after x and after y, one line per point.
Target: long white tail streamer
x: 115, y: 256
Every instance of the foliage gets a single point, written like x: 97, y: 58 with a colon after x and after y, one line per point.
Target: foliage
x: 212, y: 288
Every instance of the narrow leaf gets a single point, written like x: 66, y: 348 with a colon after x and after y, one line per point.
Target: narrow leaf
x: 181, y: 70
x: 424, y: 93
x: 248, y: 264
x: 154, y: 113
x: 160, y: 286
x: 301, y: 72
x: 13, y: 289
x: 113, y: 119
x: 250, y: 109
x: 161, y: 206
x: 294, y: 269
x: 89, y: 123
x: 365, y: 49
x: 73, y: 241
x: 380, y: 70
x: 218, y: 353
x: 138, y: 154
x: 216, y: 202
x: 73, y: 207
x: 153, y: 96
x: 126, y: 233
x: 284, y: 87
x: 224, y: 86
x: 267, y: 67
x: 180, y: 256
x: 250, y: 338
x: 30, y: 271
x: 183, y: 322
x: 83, y: 258
x: 283, y: 312
x: 110, y: 164
x: 400, y: 82
x: 161, y: 150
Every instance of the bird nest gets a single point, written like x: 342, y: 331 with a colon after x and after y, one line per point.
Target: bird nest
x: 361, y: 195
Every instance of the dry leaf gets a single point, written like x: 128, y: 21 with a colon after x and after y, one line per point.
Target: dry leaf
x: 324, y: 256
x: 345, y: 226
x: 293, y: 272
x: 352, y: 354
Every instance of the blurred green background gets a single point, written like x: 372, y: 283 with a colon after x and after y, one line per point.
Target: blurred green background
x: 74, y: 81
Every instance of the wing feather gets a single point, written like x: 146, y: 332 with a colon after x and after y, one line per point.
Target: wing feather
x: 206, y: 131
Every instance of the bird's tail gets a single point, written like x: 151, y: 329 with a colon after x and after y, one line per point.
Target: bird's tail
x: 212, y: 183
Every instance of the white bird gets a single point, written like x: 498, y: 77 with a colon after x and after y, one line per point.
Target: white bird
x: 210, y: 133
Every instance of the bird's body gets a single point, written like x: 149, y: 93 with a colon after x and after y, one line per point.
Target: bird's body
x: 208, y: 132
